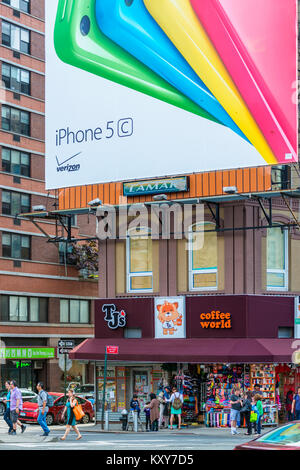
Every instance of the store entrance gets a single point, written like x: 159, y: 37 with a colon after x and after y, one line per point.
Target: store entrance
x: 20, y: 371
x: 141, y: 385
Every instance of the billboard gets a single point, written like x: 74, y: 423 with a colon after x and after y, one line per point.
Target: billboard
x: 148, y: 88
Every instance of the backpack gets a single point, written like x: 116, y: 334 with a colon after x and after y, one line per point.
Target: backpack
x: 50, y: 400
x: 177, y: 404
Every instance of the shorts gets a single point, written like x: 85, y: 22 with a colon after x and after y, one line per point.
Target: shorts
x: 175, y: 412
x: 235, y: 415
x: 14, y: 416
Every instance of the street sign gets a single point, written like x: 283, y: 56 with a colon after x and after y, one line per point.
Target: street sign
x: 64, y: 364
x: 112, y: 349
x: 64, y: 350
x: 66, y: 343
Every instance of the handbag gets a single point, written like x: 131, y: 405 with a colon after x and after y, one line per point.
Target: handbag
x: 253, y: 417
x: 78, y: 412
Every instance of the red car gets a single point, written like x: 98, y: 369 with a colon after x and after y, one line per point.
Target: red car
x: 286, y: 437
x: 30, y: 410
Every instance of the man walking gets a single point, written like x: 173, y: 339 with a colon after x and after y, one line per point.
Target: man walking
x: 235, y: 401
x: 6, y: 416
x: 296, y: 406
x: 16, y: 404
x: 43, y: 408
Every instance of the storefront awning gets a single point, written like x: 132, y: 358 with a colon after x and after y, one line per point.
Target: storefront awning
x: 199, y: 351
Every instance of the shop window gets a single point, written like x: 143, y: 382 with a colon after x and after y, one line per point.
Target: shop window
x: 16, y: 246
x: 132, y: 333
x: 15, y: 203
x: 23, y: 5
x: 23, y: 309
x: 277, y: 259
x: 15, y: 162
x: 74, y: 311
x: 139, y: 261
x: 203, y: 257
x: 15, y: 37
x: 285, y: 332
x: 14, y: 120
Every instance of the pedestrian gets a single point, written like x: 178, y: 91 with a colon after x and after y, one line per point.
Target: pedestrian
x: 135, y: 404
x: 259, y: 410
x: 43, y: 408
x: 6, y: 416
x: 154, y: 412
x: 71, y: 420
x: 235, y: 415
x: 296, y: 405
x: 166, y: 412
x: 246, y: 412
x: 147, y: 413
x: 176, y: 401
x: 161, y: 400
x: 288, y: 404
x: 16, y: 404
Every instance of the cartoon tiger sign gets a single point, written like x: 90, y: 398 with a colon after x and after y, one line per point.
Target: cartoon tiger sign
x: 169, y: 317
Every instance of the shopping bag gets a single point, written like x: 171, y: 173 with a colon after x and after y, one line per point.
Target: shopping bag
x: 78, y: 412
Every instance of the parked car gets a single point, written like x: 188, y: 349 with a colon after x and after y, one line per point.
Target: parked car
x: 286, y: 437
x: 27, y: 396
x: 85, y: 391
x: 30, y: 410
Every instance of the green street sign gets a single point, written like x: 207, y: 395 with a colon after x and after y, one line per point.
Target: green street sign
x: 165, y: 185
x: 27, y: 353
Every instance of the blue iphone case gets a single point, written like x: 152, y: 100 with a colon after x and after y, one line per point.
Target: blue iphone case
x: 129, y: 24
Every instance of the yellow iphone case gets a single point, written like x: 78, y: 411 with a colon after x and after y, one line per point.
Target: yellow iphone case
x: 179, y: 21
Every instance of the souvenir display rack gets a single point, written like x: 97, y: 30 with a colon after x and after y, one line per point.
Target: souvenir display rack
x: 264, y: 376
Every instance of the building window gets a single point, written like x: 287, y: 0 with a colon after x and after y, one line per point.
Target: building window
x: 139, y: 261
x: 16, y: 121
x: 22, y: 5
x: 74, y: 311
x: 132, y: 333
x: 15, y: 246
x: 15, y: 203
x: 15, y: 162
x: 23, y: 309
x: 15, y: 37
x: 16, y: 79
x: 203, y: 257
x: 277, y: 259
x: 285, y: 332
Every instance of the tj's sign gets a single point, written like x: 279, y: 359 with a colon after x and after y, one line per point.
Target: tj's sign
x: 215, y: 319
x: 114, y: 318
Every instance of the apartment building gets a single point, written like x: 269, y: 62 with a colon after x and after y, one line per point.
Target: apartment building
x: 42, y: 297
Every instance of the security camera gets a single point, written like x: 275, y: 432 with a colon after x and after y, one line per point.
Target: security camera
x: 95, y: 203
x: 160, y: 197
x: 230, y: 189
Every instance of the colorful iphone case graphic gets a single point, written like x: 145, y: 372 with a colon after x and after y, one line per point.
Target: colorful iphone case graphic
x: 129, y: 24
x: 239, y: 53
x: 78, y: 41
x: 179, y: 21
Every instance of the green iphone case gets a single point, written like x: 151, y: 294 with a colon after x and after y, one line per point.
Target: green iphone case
x: 79, y: 42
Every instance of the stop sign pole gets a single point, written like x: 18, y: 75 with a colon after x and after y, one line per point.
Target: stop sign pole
x: 108, y: 350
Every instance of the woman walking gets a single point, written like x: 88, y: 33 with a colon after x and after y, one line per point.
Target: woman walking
x: 71, y: 420
x: 260, y: 412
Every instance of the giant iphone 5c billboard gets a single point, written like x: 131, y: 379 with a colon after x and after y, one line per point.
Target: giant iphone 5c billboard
x: 146, y: 88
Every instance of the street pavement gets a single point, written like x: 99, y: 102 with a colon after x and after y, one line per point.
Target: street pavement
x: 94, y: 439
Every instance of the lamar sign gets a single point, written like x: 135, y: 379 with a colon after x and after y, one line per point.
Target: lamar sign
x: 217, y: 319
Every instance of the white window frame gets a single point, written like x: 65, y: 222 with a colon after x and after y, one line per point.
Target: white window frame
x: 284, y: 271
x: 130, y: 275
x: 192, y: 271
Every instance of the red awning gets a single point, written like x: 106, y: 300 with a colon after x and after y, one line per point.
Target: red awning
x: 199, y: 351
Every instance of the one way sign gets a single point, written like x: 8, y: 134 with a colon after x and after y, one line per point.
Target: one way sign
x: 66, y: 343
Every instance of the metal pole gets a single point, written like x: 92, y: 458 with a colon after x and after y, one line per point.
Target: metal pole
x: 104, y: 388
x: 65, y: 375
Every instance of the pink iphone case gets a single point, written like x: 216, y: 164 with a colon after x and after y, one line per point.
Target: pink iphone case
x: 257, y: 42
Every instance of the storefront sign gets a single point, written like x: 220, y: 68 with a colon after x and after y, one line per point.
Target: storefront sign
x: 114, y: 318
x: 27, y: 353
x: 166, y: 185
x: 169, y: 317
x: 215, y: 319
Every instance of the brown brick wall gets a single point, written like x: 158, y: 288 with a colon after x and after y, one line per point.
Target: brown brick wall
x: 37, y: 45
x: 37, y: 167
x: 37, y: 85
x: 37, y: 8
x: 41, y: 250
x: 37, y: 126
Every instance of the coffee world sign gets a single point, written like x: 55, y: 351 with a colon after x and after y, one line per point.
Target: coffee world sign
x: 215, y: 319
